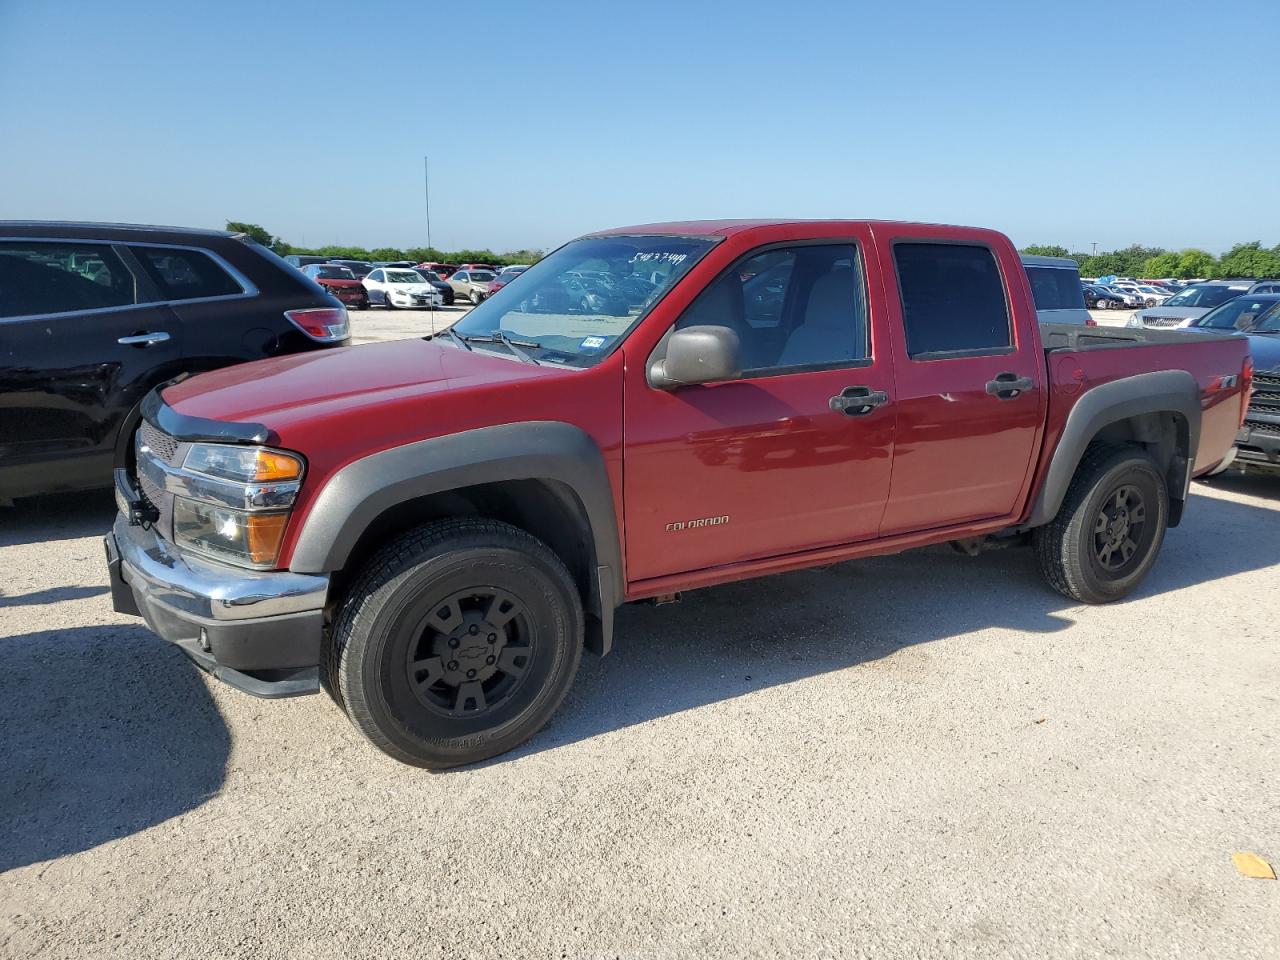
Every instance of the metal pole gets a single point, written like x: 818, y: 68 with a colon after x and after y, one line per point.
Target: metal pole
x: 426, y: 186
x: 426, y: 192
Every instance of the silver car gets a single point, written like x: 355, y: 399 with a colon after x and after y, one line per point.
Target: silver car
x: 1190, y: 303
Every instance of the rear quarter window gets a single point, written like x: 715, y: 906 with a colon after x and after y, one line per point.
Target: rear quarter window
x: 1055, y: 288
x: 186, y: 274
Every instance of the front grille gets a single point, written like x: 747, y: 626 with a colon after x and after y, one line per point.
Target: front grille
x: 161, y: 444
x: 1263, y: 427
x: 1162, y: 321
x: 1266, y: 395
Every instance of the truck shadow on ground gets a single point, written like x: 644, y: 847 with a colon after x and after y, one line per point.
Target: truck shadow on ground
x: 728, y: 641
x: 104, y: 731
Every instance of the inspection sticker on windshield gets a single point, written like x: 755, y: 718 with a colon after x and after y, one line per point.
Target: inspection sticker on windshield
x: 592, y: 343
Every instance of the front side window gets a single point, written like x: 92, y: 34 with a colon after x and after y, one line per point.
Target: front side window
x: 461, y: 275
x: 798, y: 306
x: 185, y: 274
x: 576, y: 304
x: 48, y: 277
x: 952, y: 299
x: 376, y: 276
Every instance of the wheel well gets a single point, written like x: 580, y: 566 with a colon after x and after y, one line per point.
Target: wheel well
x: 1166, y: 437
x: 547, y: 509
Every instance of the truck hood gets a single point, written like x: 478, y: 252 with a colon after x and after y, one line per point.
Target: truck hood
x: 1265, y: 350
x: 282, y: 390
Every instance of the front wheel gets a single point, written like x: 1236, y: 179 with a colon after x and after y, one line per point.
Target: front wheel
x: 1109, y: 529
x: 386, y: 302
x: 457, y: 643
x: 475, y: 298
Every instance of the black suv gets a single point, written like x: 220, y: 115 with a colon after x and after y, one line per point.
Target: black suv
x: 92, y: 316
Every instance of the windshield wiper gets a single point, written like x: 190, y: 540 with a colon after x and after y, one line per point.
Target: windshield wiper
x: 450, y: 332
x: 509, y: 342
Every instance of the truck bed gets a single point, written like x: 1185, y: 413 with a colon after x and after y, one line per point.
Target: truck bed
x: 1096, y: 355
x: 1070, y: 336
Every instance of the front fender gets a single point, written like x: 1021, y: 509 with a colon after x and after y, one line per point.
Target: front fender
x: 360, y: 492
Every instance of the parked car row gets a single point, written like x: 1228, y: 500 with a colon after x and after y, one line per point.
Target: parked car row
x: 470, y: 281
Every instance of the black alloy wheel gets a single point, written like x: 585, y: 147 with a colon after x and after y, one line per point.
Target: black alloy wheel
x: 1109, y: 529
x: 455, y: 642
x: 1119, y: 528
x: 472, y: 651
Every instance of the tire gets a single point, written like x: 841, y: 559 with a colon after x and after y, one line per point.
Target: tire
x: 386, y: 302
x: 475, y: 298
x: 431, y: 694
x: 1150, y: 304
x: 1116, y: 499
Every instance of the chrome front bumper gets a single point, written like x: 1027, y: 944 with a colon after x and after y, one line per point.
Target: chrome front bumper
x: 260, y: 631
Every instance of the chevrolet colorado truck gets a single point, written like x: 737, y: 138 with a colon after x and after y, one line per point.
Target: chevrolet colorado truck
x: 433, y: 530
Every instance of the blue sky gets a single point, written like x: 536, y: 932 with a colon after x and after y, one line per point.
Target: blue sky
x: 1057, y: 123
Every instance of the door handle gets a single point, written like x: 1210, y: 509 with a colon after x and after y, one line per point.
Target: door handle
x: 144, y: 339
x: 1006, y: 386
x: 858, y: 401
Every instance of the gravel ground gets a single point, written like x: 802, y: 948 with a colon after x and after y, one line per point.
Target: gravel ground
x: 922, y: 755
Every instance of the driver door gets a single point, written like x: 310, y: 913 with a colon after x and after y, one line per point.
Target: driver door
x: 764, y: 464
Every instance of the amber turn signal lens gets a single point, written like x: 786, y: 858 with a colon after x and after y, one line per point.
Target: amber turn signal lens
x: 275, y: 466
x: 264, y: 532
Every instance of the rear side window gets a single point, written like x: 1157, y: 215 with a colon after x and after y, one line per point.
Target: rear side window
x: 952, y: 299
x: 185, y: 274
x: 55, y: 277
x: 1055, y: 289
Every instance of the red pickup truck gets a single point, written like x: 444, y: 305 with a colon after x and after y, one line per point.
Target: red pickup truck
x: 433, y: 530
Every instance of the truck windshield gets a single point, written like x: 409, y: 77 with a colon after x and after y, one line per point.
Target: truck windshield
x: 573, y: 306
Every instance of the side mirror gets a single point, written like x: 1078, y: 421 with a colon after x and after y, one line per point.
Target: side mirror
x: 704, y: 354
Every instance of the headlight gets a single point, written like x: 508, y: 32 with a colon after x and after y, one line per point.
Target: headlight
x: 235, y: 502
x: 1133, y: 321
x: 238, y: 536
x: 242, y: 464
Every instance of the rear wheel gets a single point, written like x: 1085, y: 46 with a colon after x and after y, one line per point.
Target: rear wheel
x: 1108, y: 532
x: 457, y: 643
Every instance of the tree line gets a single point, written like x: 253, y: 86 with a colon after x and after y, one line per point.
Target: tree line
x: 416, y: 254
x: 1242, y: 260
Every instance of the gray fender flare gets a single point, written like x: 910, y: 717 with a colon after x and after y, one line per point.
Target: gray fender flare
x: 1165, y: 391
x: 538, y: 450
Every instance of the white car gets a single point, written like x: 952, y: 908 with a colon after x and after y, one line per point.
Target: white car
x: 1131, y: 298
x: 395, y: 287
x: 1151, y: 296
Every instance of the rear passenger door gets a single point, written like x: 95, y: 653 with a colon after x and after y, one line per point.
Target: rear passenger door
x: 203, y: 289
x: 969, y: 394
x: 80, y: 344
